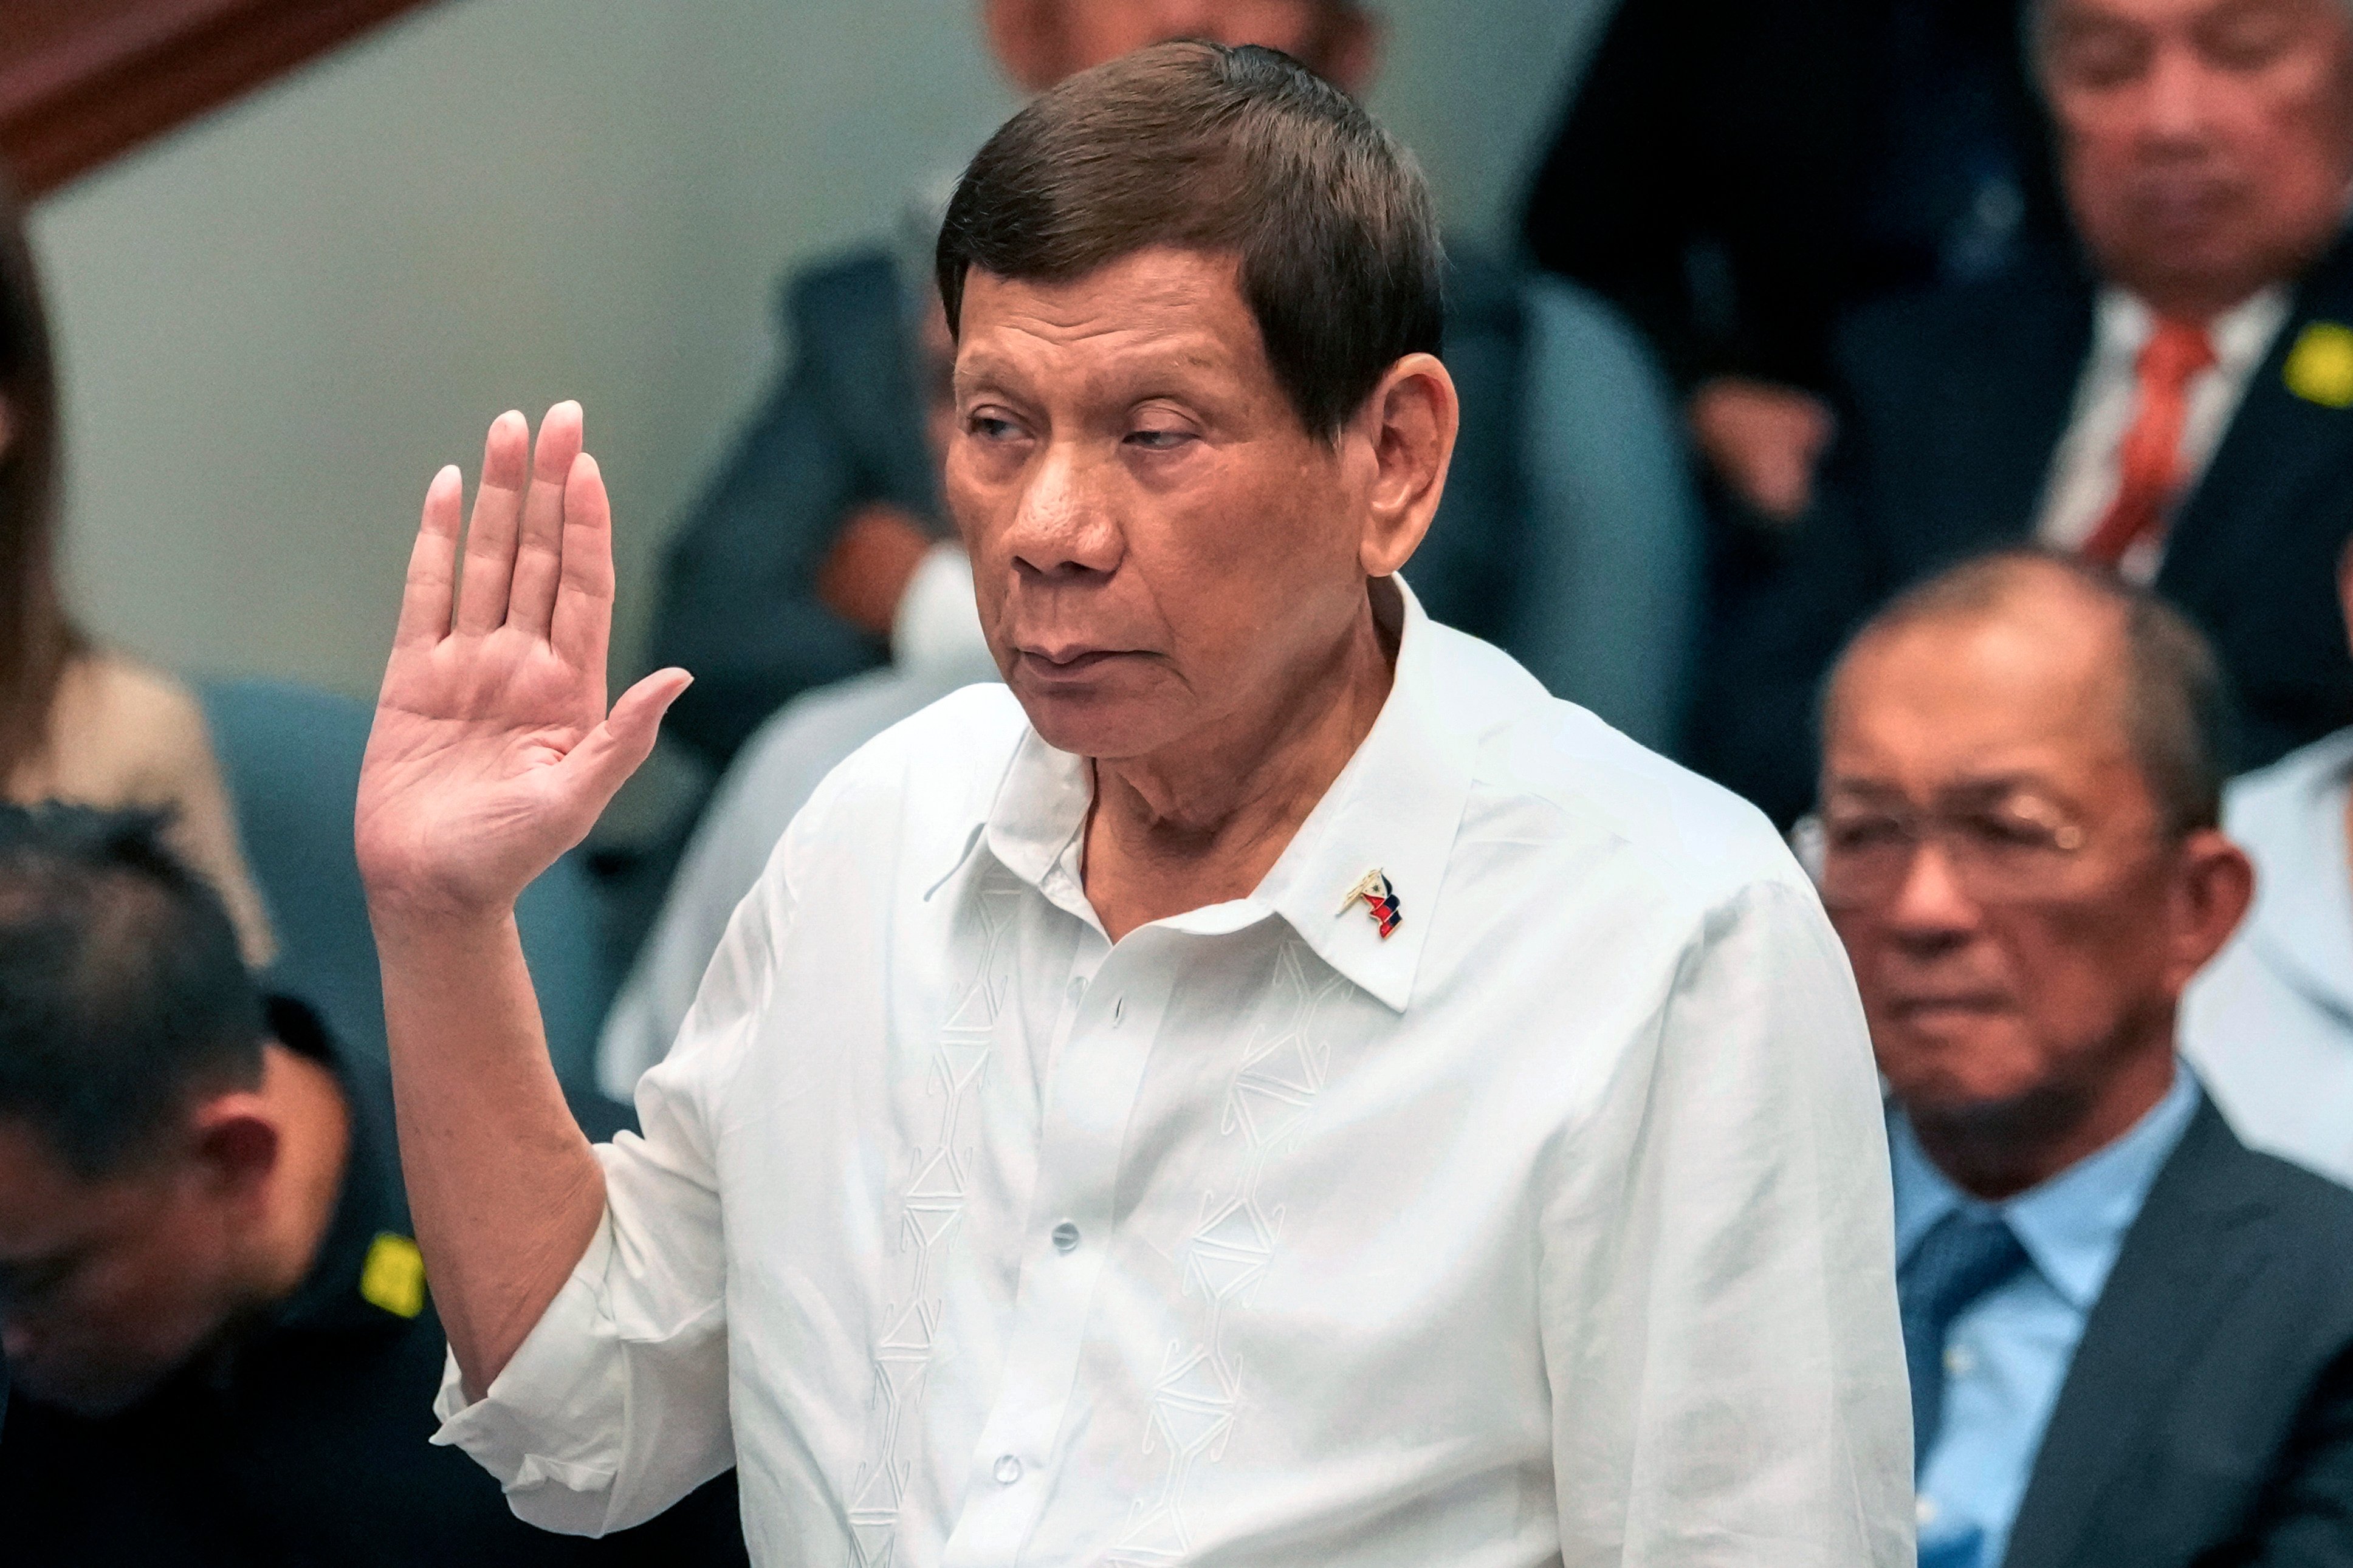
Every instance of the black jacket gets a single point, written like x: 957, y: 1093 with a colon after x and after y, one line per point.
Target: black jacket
x: 1737, y: 174
x: 305, y: 1443
x: 2207, y: 1415
x: 1953, y: 405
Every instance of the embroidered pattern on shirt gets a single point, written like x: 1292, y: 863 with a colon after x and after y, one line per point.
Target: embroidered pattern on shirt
x: 1198, y: 1396
x: 929, y: 1206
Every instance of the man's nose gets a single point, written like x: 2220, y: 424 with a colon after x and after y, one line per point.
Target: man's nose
x: 2177, y: 104
x: 1931, y: 910
x: 1063, y: 526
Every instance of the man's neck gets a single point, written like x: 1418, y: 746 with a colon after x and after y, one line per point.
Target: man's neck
x: 316, y: 1123
x: 1204, y: 823
x: 1996, y: 1155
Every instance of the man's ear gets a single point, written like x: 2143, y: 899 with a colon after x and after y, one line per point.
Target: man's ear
x: 2216, y: 886
x: 1350, y: 49
x: 1411, y: 421
x: 2344, y: 562
x: 236, y: 1143
x: 1026, y: 36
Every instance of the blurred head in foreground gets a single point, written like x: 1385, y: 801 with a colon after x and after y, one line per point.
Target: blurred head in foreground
x: 164, y: 1167
x: 2021, y: 783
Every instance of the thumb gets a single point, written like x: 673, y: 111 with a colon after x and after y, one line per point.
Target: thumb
x: 603, y: 762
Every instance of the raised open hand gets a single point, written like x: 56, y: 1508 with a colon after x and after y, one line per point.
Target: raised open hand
x: 493, y: 752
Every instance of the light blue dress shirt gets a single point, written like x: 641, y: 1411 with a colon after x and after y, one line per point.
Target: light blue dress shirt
x: 2008, y: 1355
x: 2270, y: 1022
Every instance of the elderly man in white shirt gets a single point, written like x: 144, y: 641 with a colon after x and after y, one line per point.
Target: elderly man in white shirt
x: 1267, y: 1085
x: 2270, y: 1023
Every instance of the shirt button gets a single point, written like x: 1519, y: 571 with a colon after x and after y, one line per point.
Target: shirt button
x: 1009, y: 1471
x: 1926, y: 1507
x: 1959, y: 1363
x: 1118, y: 1010
x: 1066, y: 1237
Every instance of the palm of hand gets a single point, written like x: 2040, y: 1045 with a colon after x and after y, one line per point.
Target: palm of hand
x: 493, y: 752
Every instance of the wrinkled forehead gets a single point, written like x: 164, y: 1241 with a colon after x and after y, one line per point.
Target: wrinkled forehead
x: 2180, y: 14
x: 2007, y: 693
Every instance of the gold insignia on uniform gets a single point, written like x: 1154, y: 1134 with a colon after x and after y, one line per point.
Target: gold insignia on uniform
x: 2320, y: 366
x: 393, y: 1278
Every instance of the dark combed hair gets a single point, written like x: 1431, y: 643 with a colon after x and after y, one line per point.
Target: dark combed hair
x: 122, y: 997
x: 2178, y: 717
x: 1226, y: 151
x: 36, y: 639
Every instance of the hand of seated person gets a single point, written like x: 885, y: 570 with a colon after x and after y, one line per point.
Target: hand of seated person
x: 867, y: 571
x: 1763, y: 441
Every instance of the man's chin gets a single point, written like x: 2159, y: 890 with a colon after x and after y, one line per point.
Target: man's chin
x: 1091, y: 719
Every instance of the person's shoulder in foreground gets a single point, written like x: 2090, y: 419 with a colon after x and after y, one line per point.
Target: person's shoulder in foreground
x: 2270, y: 1022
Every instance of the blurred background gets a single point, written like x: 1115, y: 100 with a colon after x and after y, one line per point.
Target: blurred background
x: 276, y: 319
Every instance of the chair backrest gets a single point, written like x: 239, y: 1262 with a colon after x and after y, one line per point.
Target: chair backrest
x: 291, y: 755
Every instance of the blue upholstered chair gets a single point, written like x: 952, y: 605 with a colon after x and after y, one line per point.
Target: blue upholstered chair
x: 291, y: 757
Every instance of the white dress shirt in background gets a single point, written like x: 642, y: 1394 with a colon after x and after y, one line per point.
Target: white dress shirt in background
x: 2085, y: 469
x: 1555, y: 1229
x: 2270, y: 1022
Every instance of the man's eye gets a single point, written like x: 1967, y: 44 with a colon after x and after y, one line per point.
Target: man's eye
x: 2099, y: 56
x: 1860, y: 835
x: 1158, y: 440
x: 988, y: 426
x: 2007, y: 830
x: 2250, y: 40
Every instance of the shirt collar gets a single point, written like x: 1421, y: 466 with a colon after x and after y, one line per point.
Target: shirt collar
x: 2291, y: 817
x: 1393, y: 810
x: 2071, y: 1226
x: 2240, y: 336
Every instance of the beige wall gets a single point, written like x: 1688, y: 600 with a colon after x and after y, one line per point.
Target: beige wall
x: 277, y: 324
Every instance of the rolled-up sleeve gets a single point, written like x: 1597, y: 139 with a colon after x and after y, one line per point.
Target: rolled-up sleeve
x: 1718, y: 1275
x: 615, y: 1406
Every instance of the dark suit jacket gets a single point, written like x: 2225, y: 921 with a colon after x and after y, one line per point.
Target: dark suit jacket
x: 842, y: 427
x: 1952, y: 405
x: 1728, y: 172
x: 845, y: 426
x: 2208, y: 1417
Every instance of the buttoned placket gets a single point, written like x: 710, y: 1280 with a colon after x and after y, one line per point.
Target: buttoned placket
x: 1113, y: 1003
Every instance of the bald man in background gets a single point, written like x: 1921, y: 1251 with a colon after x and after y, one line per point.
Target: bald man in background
x: 2130, y: 1337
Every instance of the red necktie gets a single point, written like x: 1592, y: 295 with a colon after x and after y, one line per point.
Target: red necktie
x: 2148, y: 464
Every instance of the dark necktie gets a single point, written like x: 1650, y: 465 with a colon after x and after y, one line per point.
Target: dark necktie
x: 1963, y: 1257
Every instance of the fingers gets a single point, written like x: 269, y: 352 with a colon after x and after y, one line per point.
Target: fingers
x: 613, y: 750
x: 432, y: 564
x: 490, y: 537
x: 582, y: 625
x: 539, y: 549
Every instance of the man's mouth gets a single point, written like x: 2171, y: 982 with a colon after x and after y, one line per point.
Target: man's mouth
x: 1065, y: 664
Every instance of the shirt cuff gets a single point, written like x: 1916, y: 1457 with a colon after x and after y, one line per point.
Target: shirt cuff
x: 549, y: 1427
x: 937, y: 626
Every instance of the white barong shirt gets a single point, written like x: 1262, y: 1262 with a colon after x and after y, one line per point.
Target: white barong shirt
x: 1552, y: 1228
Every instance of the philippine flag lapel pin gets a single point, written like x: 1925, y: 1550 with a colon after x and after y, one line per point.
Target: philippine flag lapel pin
x: 1381, y: 901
